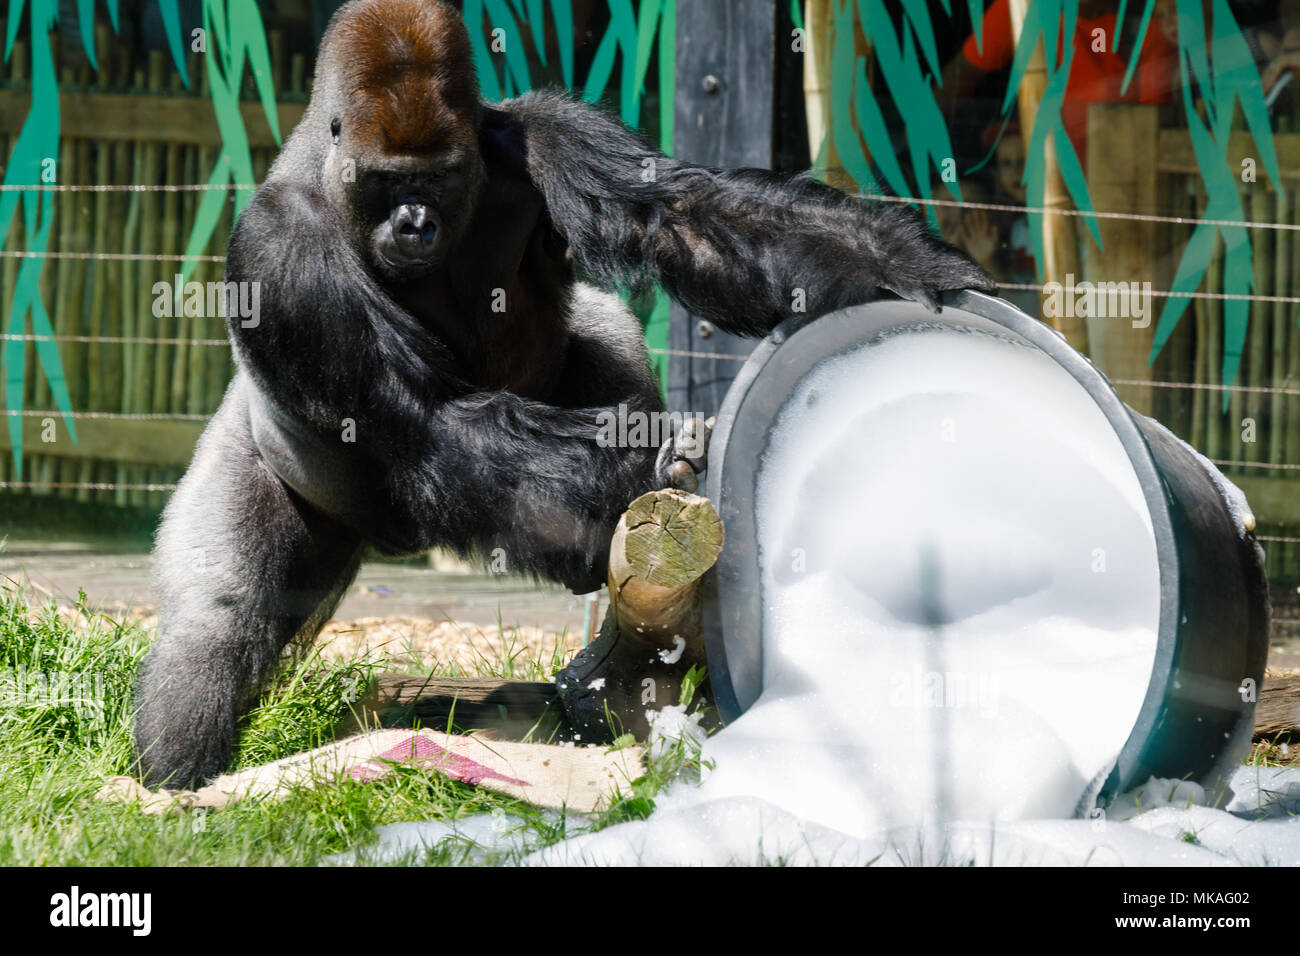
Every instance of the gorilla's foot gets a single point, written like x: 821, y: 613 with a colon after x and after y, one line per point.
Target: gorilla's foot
x: 613, y: 684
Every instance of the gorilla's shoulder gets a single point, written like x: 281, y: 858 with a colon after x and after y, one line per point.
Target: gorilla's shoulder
x: 289, y: 201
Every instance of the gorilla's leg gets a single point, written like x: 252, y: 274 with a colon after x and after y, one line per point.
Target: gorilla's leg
x: 241, y: 566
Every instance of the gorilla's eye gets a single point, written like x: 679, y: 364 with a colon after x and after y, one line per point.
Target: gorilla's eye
x: 335, y: 125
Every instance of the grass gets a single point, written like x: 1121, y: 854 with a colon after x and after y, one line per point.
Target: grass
x: 65, y: 726
x: 66, y: 689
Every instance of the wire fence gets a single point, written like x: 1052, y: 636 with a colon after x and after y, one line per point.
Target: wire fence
x: 1008, y: 208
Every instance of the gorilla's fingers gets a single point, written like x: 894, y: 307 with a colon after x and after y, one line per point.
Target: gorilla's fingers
x: 684, y: 455
x: 680, y: 475
x: 692, y: 444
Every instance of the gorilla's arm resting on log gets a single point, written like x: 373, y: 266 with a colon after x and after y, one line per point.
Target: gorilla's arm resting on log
x: 738, y: 246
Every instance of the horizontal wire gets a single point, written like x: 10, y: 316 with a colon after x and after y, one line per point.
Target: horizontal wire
x: 1276, y: 538
x: 84, y: 485
x: 955, y: 203
x: 1168, y: 294
x: 122, y: 188
x: 1201, y: 386
x: 111, y: 256
x: 1134, y: 216
x: 109, y: 339
x: 127, y: 416
x: 1204, y: 387
x: 182, y: 416
x: 1255, y: 464
x: 687, y: 353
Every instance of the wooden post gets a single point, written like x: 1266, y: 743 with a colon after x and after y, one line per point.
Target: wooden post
x: 724, y: 101
x: 1130, y: 248
x: 819, y: 33
x: 1060, y: 247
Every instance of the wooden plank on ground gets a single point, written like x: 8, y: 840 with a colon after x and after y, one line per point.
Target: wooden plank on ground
x: 1278, y: 709
x: 511, y: 709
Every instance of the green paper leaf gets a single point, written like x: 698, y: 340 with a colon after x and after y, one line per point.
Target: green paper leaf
x: 246, y: 25
x: 171, y: 19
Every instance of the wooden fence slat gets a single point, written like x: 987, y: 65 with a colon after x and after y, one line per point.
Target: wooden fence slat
x: 135, y: 117
x: 123, y: 441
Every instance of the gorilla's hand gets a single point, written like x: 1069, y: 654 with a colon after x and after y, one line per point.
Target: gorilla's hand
x: 923, y: 267
x: 683, y: 456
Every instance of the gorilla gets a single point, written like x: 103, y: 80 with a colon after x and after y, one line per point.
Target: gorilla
x: 434, y: 351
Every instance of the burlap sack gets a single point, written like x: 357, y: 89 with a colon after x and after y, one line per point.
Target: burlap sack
x: 581, y: 779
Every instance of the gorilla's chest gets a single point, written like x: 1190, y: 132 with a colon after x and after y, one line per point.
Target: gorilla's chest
x: 499, y: 301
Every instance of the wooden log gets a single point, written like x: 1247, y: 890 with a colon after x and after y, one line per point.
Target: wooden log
x: 1277, y: 713
x: 509, y: 709
x: 665, y: 543
x: 666, y: 540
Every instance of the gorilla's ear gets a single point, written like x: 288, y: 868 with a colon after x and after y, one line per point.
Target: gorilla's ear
x: 501, y: 141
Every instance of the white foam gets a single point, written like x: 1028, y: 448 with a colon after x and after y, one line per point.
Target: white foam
x: 961, y: 478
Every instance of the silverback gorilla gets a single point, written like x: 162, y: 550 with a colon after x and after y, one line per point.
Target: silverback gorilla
x: 426, y: 369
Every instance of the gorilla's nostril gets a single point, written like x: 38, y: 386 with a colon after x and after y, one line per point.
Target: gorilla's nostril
x: 414, y: 227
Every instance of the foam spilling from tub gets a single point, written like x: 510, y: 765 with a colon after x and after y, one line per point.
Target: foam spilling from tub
x: 961, y: 590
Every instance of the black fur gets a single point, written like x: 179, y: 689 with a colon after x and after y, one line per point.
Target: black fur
x: 474, y: 429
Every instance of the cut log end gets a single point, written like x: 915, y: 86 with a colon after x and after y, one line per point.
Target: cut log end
x: 667, y: 538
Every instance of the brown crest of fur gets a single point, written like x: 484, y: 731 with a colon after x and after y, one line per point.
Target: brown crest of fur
x: 409, y: 75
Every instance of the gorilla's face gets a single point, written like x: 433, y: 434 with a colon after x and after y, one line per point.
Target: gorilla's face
x: 403, y: 109
x: 409, y: 210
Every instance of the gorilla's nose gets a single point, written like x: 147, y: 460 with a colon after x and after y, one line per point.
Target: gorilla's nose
x: 415, y: 227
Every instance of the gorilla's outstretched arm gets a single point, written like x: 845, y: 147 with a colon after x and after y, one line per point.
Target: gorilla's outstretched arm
x: 436, y: 462
x: 739, y: 247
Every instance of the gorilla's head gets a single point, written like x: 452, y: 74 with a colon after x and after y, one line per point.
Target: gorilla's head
x: 395, y: 111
